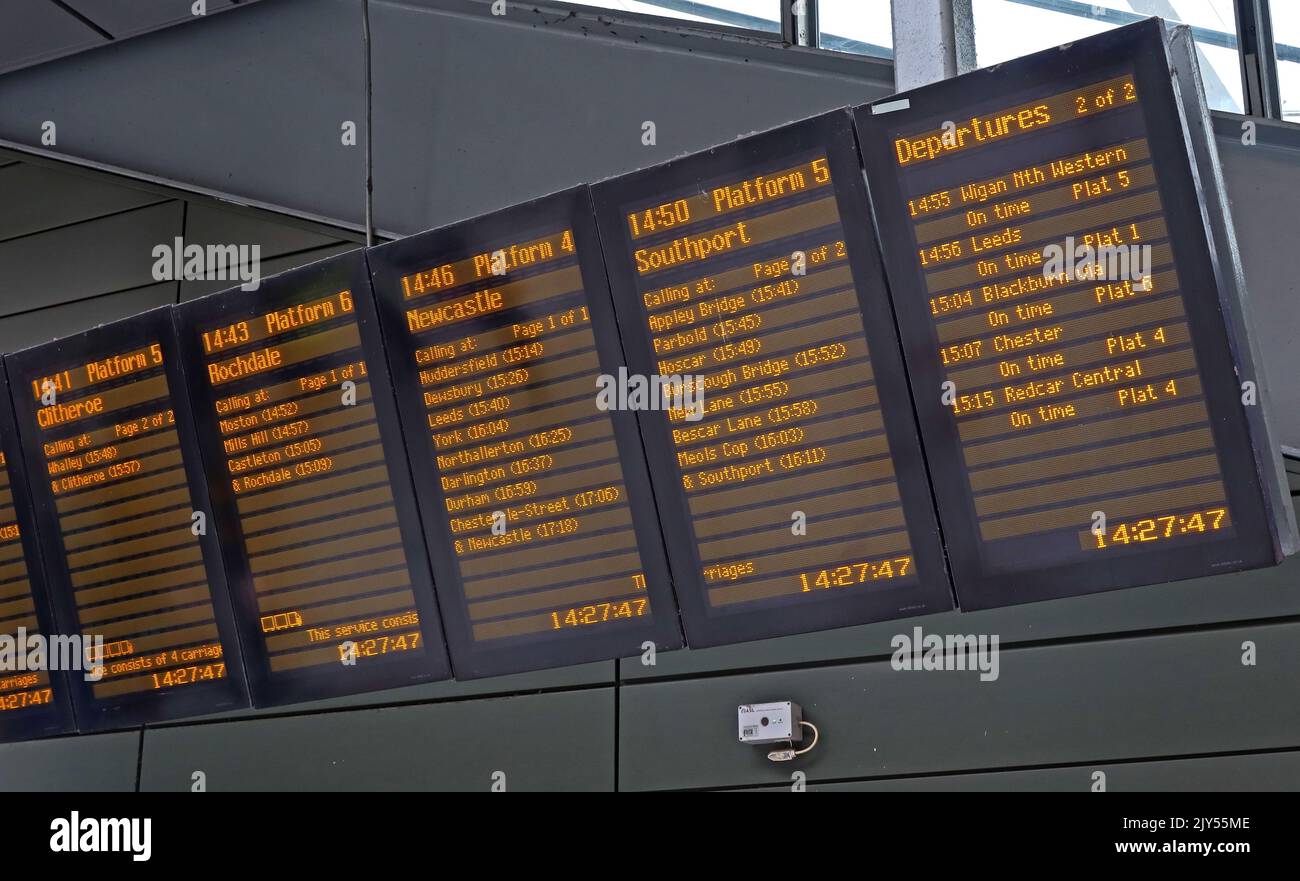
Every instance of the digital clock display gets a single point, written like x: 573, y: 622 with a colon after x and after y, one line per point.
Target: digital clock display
x: 1079, y: 393
x: 307, y: 474
x: 125, y: 525
x: 794, y: 496
x: 536, y: 503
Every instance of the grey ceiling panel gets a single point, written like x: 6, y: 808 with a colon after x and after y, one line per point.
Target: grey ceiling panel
x: 1151, y: 697
x: 86, y: 259
x: 32, y: 31
x: 48, y: 197
x: 561, y: 741
x: 42, y: 325
x: 88, y: 763
x: 599, y: 673
x: 123, y: 18
x: 206, y: 223
x: 191, y: 290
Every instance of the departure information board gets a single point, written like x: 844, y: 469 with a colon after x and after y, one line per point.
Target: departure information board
x: 125, y: 527
x: 792, y: 487
x: 1074, y: 378
x: 307, y: 473
x: 533, y: 489
x: 33, y: 697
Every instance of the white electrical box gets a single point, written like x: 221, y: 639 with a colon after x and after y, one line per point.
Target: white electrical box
x: 770, y: 723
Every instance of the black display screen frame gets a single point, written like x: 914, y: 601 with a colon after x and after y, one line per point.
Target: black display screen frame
x: 347, y: 271
x: 200, y: 698
x: 833, y: 133
x: 567, y: 209
x: 1142, y: 50
x: 55, y: 717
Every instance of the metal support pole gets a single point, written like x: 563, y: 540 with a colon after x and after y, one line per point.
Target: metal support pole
x: 1258, y: 59
x: 933, y: 40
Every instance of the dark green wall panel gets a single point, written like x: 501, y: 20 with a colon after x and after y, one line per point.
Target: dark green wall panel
x: 89, y: 763
x: 54, y: 197
x: 42, y: 325
x: 600, y: 673
x: 1103, y: 700
x: 560, y: 741
x: 192, y: 290
x: 207, y: 223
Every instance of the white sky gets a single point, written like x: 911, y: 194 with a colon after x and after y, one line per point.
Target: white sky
x: 1005, y: 29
